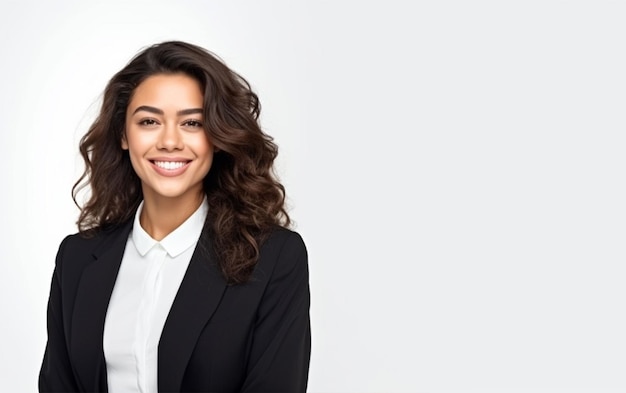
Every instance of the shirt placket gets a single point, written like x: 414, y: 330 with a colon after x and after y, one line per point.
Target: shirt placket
x: 149, y: 299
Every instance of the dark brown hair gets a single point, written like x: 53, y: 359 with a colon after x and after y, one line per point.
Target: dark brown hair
x: 246, y: 201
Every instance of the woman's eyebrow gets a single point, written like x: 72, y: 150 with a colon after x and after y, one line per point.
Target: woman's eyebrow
x: 158, y: 111
x: 190, y: 111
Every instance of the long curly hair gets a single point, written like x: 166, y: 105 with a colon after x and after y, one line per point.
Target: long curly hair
x: 246, y: 200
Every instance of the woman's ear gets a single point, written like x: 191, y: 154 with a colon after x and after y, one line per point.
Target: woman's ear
x: 124, y: 142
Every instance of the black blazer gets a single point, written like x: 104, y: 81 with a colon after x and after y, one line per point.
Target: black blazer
x: 253, y: 337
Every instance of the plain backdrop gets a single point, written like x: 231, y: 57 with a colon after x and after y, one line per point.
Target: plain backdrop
x: 456, y: 168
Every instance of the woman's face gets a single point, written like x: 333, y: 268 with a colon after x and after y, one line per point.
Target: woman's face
x: 168, y: 148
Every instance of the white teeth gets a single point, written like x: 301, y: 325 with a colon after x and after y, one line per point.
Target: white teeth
x: 169, y: 165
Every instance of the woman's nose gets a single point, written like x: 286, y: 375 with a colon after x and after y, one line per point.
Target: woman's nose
x: 170, y: 138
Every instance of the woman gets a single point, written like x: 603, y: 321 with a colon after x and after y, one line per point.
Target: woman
x: 183, y: 276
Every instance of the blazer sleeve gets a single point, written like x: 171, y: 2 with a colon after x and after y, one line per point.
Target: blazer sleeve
x: 281, y: 343
x: 56, y: 371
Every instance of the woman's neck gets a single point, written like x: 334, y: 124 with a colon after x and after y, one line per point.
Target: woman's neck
x: 160, y: 216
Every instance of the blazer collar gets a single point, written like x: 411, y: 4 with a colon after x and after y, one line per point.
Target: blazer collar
x: 199, y: 295
x: 90, y: 307
x: 197, y: 299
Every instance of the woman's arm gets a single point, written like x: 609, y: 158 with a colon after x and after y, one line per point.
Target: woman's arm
x: 281, y: 346
x: 56, y: 371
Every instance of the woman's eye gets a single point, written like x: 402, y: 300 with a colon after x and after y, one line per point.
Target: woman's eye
x: 147, y: 122
x: 192, y: 123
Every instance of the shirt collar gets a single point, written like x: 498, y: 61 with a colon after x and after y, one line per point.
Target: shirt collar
x: 179, y: 240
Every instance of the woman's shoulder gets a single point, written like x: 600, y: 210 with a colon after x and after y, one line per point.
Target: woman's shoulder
x: 90, y: 242
x: 94, y: 237
x: 284, y: 253
x: 282, y: 239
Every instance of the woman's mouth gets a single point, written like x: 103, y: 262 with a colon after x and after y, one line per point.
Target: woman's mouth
x: 170, y: 165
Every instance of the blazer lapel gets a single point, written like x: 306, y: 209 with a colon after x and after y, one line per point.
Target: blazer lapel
x: 198, y: 296
x: 92, y: 300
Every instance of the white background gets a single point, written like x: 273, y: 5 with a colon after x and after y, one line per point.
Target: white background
x: 456, y: 168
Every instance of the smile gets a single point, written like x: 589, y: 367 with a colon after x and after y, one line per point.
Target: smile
x: 170, y: 165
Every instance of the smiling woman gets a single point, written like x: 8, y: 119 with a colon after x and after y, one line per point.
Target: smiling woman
x: 168, y: 149
x: 183, y: 276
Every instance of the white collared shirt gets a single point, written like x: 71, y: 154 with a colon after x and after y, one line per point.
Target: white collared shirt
x: 147, y: 282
